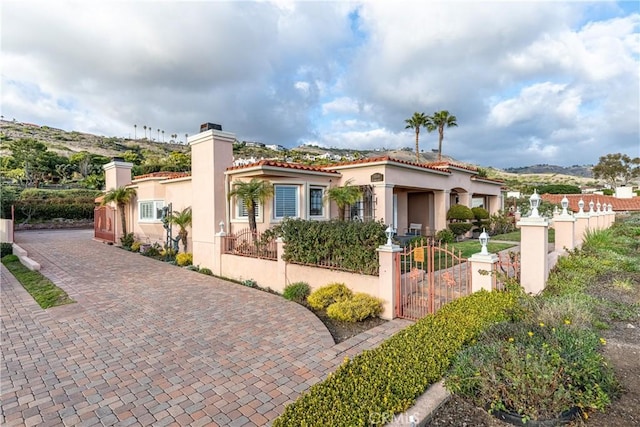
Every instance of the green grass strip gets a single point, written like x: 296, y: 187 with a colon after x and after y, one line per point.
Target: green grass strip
x: 43, y: 290
x: 378, y: 383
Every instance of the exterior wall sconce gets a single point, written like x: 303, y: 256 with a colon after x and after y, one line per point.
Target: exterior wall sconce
x: 534, y: 201
x: 484, y: 239
x: 221, y: 227
x: 565, y: 204
x: 389, y: 233
x: 581, y: 206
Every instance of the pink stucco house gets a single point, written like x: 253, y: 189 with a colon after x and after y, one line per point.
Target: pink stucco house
x: 396, y: 192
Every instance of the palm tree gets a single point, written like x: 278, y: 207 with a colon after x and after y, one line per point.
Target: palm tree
x: 251, y: 193
x: 135, y: 131
x: 183, y: 220
x: 439, y: 120
x: 415, y: 122
x: 145, y: 131
x: 158, y: 134
x: 345, y: 195
x: 120, y: 196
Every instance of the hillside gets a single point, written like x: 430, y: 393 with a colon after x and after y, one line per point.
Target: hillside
x: 67, y: 143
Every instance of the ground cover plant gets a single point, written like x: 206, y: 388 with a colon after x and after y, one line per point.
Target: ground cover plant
x: 43, y: 290
x: 592, y: 299
x: 374, y: 385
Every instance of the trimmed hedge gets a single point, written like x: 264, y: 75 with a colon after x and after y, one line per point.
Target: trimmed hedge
x: 356, y: 308
x: 46, y: 209
x: 388, y: 379
x: 348, y: 245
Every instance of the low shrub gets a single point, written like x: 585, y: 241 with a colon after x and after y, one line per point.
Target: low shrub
x: 153, y: 251
x: 127, y: 240
x: 356, y: 308
x: 184, y: 259
x: 445, y: 236
x: 460, y: 228
x: 135, y: 246
x: 326, y: 295
x: 192, y: 267
x: 250, y: 283
x: 206, y: 271
x: 6, y: 249
x: 537, y: 371
x: 386, y: 380
x: 298, y: 292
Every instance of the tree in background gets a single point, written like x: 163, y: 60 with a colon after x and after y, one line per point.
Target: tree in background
x: 251, y: 193
x: 344, y: 196
x: 439, y: 121
x: 415, y: 122
x: 182, y: 219
x: 31, y: 161
x: 617, y: 168
x: 121, y: 196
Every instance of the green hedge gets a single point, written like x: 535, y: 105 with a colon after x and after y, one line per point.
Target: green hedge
x: 47, y: 209
x: 348, y: 245
x: 43, y: 194
x: 387, y: 380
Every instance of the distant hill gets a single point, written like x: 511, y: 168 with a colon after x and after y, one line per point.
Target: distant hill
x: 575, y: 170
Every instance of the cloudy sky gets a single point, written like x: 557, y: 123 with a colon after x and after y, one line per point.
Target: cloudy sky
x: 529, y: 82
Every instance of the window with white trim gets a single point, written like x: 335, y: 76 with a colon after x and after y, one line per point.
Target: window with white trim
x: 150, y: 210
x: 316, y: 201
x: 285, y: 201
x: 243, y: 212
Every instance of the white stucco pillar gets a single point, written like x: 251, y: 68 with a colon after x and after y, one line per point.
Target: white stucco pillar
x: 533, y: 252
x: 482, y: 271
x: 565, y: 233
x: 581, y: 227
x: 387, y: 279
x: 440, y: 206
x: 384, y: 202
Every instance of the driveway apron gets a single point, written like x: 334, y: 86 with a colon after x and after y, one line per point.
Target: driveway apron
x: 148, y: 343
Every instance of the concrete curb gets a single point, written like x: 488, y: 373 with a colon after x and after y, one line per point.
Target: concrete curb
x: 24, y: 258
x: 422, y: 411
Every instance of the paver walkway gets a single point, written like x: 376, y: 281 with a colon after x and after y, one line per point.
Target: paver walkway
x: 148, y: 343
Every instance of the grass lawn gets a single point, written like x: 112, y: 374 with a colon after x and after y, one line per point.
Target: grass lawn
x: 471, y: 247
x: 43, y: 290
x: 514, y: 236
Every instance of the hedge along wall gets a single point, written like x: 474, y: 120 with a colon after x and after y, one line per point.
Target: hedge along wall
x: 39, y: 204
x: 351, y: 245
x: 387, y: 380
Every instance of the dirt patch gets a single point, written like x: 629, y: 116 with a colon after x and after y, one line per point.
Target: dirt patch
x: 341, y: 331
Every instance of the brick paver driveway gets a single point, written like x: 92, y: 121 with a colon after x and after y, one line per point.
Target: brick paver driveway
x: 148, y: 343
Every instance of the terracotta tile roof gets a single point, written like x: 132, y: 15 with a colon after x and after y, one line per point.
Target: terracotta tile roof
x: 618, y: 205
x: 446, y: 164
x: 284, y: 165
x: 165, y: 175
x: 388, y: 159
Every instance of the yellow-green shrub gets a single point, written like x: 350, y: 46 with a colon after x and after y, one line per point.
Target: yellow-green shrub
x: 326, y: 295
x: 355, y: 309
x: 135, y: 246
x: 184, y: 259
x: 388, y: 379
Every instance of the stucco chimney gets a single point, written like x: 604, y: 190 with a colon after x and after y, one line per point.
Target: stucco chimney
x: 211, y: 155
x: 117, y: 173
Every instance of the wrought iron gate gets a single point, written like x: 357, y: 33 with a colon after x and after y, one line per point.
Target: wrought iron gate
x: 103, y: 223
x: 428, y: 275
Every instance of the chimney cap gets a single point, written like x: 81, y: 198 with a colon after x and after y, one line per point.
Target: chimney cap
x: 210, y: 126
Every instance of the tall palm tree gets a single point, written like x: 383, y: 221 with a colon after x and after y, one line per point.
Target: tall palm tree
x: 251, y: 193
x: 135, y: 131
x: 145, y: 131
x: 182, y: 219
x: 120, y: 196
x: 417, y: 121
x: 344, y: 195
x: 162, y: 136
x: 439, y: 120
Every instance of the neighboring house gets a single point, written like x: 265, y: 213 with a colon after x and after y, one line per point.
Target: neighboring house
x: 395, y: 192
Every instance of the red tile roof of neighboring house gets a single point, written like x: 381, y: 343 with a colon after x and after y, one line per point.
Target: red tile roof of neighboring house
x: 618, y: 205
x: 165, y: 175
x: 446, y: 164
x: 388, y: 159
x: 284, y: 165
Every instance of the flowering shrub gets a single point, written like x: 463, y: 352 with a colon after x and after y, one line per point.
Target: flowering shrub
x: 324, y: 296
x: 356, y: 308
x: 537, y: 371
x: 183, y: 259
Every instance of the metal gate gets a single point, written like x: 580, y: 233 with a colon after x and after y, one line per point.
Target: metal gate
x: 428, y: 275
x: 103, y: 223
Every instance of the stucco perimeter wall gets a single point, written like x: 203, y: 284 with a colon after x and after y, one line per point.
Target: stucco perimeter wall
x: 263, y: 271
x: 317, y: 277
x: 6, y: 230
